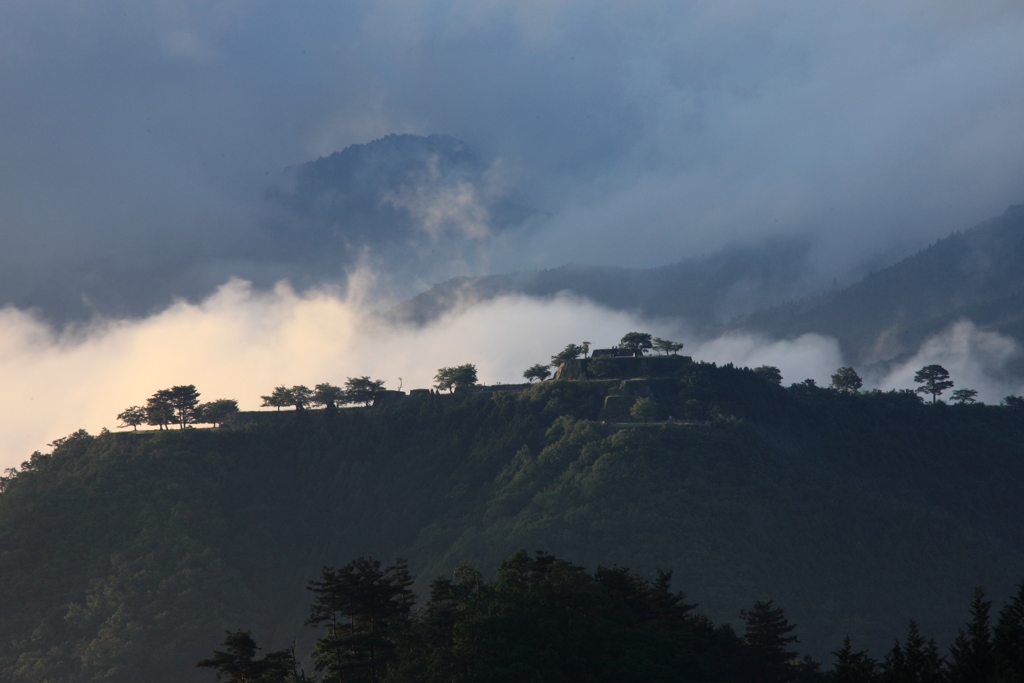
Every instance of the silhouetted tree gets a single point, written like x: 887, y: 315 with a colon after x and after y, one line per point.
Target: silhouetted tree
x: 537, y: 372
x: 569, y: 353
x: 917, y: 661
x: 972, y: 659
x: 934, y: 379
x: 132, y: 417
x: 328, y: 396
x: 852, y: 667
x: 1014, y: 402
x: 362, y: 389
x: 452, y: 378
x: 965, y: 396
x: 637, y: 342
x: 586, y: 348
x: 770, y: 373
x: 768, y: 637
x: 237, y: 663
x: 184, y: 398
x: 301, y: 396
x: 1008, y: 640
x: 279, y: 398
x: 216, y: 412
x: 667, y: 347
x: 847, y: 380
x: 159, y: 409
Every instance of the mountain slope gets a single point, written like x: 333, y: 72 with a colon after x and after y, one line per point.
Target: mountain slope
x: 705, y: 291
x: 125, y: 556
x: 976, y: 274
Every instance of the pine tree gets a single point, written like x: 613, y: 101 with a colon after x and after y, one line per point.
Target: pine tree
x: 365, y: 608
x: 768, y: 637
x: 852, y: 667
x: 972, y: 659
x: 1009, y: 640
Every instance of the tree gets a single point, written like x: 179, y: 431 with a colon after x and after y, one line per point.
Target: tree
x: 934, y: 379
x: 644, y: 409
x: 768, y: 636
x: 159, y: 409
x: 279, y: 398
x: 184, y: 398
x: 1014, y: 402
x: 537, y: 372
x: 972, y: 659
x: 637, y: 342
x: 852, y: 667
x: 770, y: 373
x: 569, y: 353
x: 450, y: 379
x: 216, y: 412
x: 132, y: 417
x: 586, y: 348
x: 667, y: 347
x: 301, y: 396
x: 328, y: 396
x: 965, y: 396
x: 364, y: 609
x: 1009, y: 639
x: 847, y: 380
x: 238, y: 663
x: 918, y: 660
x: 362, y: 389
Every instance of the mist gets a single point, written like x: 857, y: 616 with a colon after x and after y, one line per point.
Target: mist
x: 137, y: 141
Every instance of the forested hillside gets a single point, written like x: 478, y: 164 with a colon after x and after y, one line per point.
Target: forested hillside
x: 127, y: 556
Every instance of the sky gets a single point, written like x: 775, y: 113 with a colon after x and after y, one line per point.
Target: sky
x: 138, y: 141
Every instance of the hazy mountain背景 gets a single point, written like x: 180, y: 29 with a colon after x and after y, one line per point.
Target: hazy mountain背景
x: 408, y: 206
x: 126, y: 556
x: 885, y: 317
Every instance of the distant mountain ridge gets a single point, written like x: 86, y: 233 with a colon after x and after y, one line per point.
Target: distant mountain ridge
x: 977, y: 275
x: 706, y: 291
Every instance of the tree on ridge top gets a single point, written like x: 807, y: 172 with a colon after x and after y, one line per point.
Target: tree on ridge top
x: 934, y: 379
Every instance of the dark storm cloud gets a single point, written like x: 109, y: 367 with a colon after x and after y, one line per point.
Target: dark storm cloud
x: 137, y: 139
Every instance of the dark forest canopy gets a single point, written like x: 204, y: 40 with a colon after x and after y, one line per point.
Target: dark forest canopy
x: 127, y: 556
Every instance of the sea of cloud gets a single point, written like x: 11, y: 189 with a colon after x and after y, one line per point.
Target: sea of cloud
x: 240, y: 342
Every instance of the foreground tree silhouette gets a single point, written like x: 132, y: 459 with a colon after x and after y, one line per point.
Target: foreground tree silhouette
x: 328, y: 396
x: 216, y: 412
x: 769, y: 636
x: 918, y: 660
x: 770, y: 373
x: 965, y: 396
x: 159, y: 409
x: 364, y: 609
x: 637, y: 342
x: 852, y: 667
x: 934, y: 379
x: 846, y: 380
x: 279, y: 398
x: 452, y: 378
x: 1009, y: 639
x: 537, y: 372
x: 569, y: 353
x: 667, y: 347
x: 132, y: 417
x: 301, y: 396
x: 362, y: 389
x: 237, y: 663
x: 972, y: 658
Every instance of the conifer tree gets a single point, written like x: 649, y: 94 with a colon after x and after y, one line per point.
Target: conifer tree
x: 768, y: 637
x: 364, y: 609
x: 972, y: 659
x: 852, y: 667
x: 1008, y: 640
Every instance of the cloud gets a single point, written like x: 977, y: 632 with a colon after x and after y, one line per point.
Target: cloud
x: 975, y: 358
x: 808, y: 356
x: 645, y: 132
x: 240, y: 343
